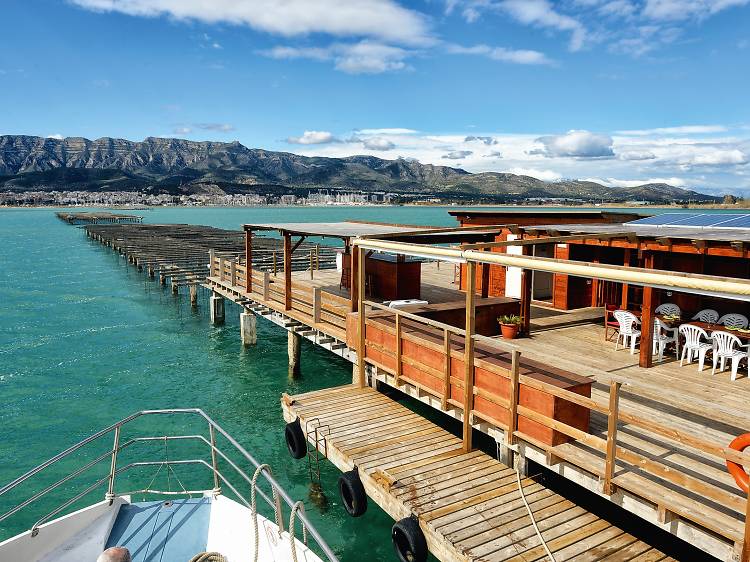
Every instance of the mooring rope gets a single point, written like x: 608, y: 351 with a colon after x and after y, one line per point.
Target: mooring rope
x: 209, y: 557
x: 292, y: 517
x: 254, y: 506
x: 531, y: 516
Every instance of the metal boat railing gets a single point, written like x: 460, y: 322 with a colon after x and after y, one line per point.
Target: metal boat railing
x: 274, y: 501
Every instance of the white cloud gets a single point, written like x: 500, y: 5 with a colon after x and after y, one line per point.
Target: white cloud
x: 687, y: 9
x: 486, y: 140
x: 219, y: 127
x: 544, y: 175
x: 577, y: 144
x: 636, y: 155
x: 216, y: 45
x: 378, y: 143
x: 614, y: 182
x: 541, y: 13
x: 458, y: 154
x: 618, y: 8
x: 364, y: 57
x: 382, y: 19
x: 387, y: 131
x: 183, y: 130
x: 312, y: 137
x: 515, y: 56
x: 56, y: 136
x: 681, y: 130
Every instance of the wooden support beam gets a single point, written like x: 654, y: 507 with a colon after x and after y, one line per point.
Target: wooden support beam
x: 514, y: 392
x: 362, y: 319
x: 287, y: 272
x: 317, y: 302
x: 446, y: 370
x: 608, y: 487
x: 248, y: 261
x: 354, y: 276
x: 399, y: 360
x: 625, y: 287
x: 468, y: 401
x: 647, y: 321
x: 485, y: 280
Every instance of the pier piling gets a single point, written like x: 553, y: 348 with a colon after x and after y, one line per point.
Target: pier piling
x: 248, y: 328
x: 217, y: 309
x: 194, y: 295
x: 293, y: 348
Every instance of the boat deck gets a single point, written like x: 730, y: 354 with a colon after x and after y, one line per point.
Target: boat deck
x: 468, y: 504
x: 172, y: 531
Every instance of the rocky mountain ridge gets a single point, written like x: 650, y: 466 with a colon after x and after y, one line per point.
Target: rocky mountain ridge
x: 167, y: 165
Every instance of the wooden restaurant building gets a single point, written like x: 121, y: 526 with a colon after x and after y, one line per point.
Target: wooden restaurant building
x: 653, y: 441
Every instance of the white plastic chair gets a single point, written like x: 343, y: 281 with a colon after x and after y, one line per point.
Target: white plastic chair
x: 734, y: 320
x: 664, y: 335
x: 668, y: 309
x: 708, y: 315
x: 628, y: 333
x: 693, y: 344
x: 725, y: 347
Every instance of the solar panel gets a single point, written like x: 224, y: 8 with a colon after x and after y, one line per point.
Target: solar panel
x: 664, y: 218
x: 741, y: 221
x: 705, y: 220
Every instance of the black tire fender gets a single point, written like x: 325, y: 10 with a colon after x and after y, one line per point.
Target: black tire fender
x: 352, y: 493
x: 295, y: 439
x: 409, y: 541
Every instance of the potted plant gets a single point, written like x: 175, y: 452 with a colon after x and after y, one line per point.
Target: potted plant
x: 509, y: 325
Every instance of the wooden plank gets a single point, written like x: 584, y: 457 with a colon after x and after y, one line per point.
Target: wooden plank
x: 468, y: 401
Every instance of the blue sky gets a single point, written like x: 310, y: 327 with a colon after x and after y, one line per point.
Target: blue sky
x: 620, y: 91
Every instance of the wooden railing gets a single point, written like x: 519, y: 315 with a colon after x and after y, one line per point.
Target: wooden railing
x: 427, y: 334
x: 319, y: 308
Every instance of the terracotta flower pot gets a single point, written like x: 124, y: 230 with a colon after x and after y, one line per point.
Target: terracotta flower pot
x: 509, y: 331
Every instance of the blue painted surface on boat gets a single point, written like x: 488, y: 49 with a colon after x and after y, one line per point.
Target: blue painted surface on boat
x: 173, y: 531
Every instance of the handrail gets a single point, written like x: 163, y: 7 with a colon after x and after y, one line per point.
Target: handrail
x: 214, y: 428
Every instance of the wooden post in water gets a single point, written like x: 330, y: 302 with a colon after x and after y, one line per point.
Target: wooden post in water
x: 468, y: 402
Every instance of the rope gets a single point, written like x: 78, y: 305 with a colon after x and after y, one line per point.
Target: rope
x: 254, y: 507
x: 531, y: 516
x: 209, y: 557
x: 297, y: 506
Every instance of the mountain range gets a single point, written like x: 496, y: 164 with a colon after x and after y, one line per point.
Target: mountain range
x: 177, y: 166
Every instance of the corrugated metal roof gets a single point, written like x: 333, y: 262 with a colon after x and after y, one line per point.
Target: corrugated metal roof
x: 345, y: 229
x: 654, y: 231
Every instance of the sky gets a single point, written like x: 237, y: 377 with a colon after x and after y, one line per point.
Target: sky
x: 617, y: 91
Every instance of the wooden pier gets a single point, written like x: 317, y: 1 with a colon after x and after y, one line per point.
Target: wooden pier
x: 469, y: 505
x: 181, y: 252
x: 98, y: 218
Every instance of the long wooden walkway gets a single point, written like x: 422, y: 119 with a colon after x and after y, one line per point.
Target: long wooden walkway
x: 468, y: 504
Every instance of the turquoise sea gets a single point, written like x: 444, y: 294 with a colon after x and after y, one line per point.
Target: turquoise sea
x: 86, y: 340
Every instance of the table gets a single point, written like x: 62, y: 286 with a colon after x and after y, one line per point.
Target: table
x: 711, y: 328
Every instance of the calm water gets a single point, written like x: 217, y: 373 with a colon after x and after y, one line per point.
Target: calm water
x: 86, y: 340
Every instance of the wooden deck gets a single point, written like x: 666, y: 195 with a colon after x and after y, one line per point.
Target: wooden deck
x: 468, y: 504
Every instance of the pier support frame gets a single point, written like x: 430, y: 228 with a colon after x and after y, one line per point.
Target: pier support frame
x: 248, y: 328
x: 216, y: 309
x: 193, y: 295
x: 294, y: 344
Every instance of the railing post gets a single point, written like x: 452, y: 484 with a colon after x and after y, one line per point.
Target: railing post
x: 214, y: 464
x: 609, y: 465
x: 211, y: 257
x: 316, y: 304
x: 399, y: 364
x: 233, y: 272
x: 311, y: 264
x: 266, y: 286
x: 274, y: 263
x: 110, y: 495
x: 447, y: 369
x: 468, y: 401
x: 513, y: 400
x: 221, y: 269
x: 317, y: 256
x: 362, y: 318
